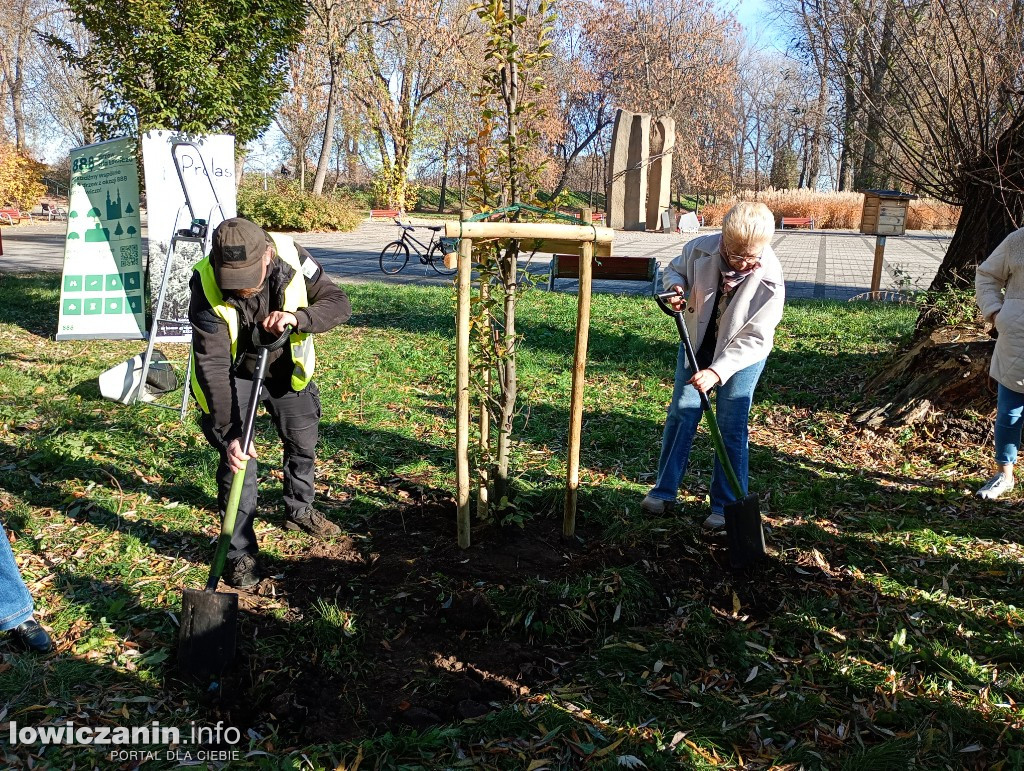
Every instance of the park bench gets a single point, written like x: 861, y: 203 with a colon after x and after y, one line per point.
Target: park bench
x: 606, y: 269
x: 11, y: 215
x: 53, y: 212
x: 796, y: 222
x: 388, y: 214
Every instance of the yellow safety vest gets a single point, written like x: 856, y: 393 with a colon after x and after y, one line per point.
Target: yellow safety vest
x: 301, y: 343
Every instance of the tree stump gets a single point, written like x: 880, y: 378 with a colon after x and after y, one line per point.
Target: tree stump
x: 943, y: 375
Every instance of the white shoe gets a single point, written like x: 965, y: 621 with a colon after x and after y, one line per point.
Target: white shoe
x: 996, y: 487
x: 715, y: 521
x: 657, y: 506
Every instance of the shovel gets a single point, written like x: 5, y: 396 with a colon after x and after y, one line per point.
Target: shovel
x: 743, y: 516
x: 206, y: 638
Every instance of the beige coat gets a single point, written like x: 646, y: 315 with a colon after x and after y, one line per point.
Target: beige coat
x: 746, y: 331
x: 999, y: 288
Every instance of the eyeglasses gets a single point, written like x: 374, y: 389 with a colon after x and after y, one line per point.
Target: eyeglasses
x: 745, y: 260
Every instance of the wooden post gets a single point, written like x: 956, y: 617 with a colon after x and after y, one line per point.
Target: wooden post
x: 579, y: 364
x: 876, y: 272
x: 462, y: 387
x: 483, y: 472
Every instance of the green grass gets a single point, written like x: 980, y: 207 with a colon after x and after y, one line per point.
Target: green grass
x: 887, y: 633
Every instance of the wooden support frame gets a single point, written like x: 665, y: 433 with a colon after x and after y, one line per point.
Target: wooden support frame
x: 589, y: 239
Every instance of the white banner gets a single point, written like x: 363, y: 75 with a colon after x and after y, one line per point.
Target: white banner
x: 203, y: 168
x: 101, y: 292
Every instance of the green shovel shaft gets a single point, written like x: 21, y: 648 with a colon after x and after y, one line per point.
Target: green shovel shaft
x: 709, y: 414
x: 227, y: 528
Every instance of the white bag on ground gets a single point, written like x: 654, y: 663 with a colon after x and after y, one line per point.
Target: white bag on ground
x: 120, y: 382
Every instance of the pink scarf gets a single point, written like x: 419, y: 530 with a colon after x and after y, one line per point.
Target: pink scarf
x: 732, y: 278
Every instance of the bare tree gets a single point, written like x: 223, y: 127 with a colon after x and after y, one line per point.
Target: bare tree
x: 20, y: 24
x: 300, y: 116
x: 400, y: 62
x: 950, y: 120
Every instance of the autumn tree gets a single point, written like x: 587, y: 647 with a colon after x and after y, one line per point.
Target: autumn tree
x: 409, y: 55
x: 671, y: 59
x: 303, y: 109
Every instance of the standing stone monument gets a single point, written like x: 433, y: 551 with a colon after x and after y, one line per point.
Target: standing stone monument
x: 640, y: 170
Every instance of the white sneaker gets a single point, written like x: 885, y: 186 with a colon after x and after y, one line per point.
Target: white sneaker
x: 657, y: 506
x: 996, y: 487
x: 715, y: 521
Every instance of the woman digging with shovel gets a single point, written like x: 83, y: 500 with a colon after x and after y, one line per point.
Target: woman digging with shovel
x: 730, y: 290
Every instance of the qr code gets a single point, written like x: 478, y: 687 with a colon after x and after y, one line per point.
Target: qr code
x: 129, y: 255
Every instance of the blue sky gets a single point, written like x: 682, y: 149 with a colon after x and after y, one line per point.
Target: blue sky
x: 753, y: 16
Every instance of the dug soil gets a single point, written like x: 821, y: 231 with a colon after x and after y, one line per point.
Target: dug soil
x: 430, y: 640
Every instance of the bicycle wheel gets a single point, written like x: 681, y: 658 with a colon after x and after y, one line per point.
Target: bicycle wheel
x: 436, y: 259
x: 393, y: 257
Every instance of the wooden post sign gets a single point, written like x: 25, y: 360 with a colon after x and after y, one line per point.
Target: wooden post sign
x: 586, y: 240
x: 884, y: 214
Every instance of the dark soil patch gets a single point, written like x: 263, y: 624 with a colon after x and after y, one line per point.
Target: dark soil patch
x: 427, y: 644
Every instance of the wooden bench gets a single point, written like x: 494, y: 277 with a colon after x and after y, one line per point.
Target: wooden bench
x: 606, y: 269
x: 796, y: 222
x: 388, y: 214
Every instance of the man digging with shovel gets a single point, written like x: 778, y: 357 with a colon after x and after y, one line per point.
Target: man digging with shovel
x: 254, y: 279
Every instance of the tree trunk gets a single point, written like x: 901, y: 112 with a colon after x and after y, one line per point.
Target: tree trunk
x: 986, y: 218
x: 847, y: 153
x: 509, y: 275
x: 444, y: 176
x: 868, y: 174
x: 325, y: 148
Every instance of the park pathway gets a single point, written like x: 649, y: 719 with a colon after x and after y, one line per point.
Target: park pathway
x: 828, y: 265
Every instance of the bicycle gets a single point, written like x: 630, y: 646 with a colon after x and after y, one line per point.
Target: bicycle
x: 395, y: 256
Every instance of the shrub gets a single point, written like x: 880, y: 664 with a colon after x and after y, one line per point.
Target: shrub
x: 283, y: 206
x: 21, y: 179
x: 833, y: 210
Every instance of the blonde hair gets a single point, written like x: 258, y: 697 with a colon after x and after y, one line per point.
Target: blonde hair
x: 748, y: 224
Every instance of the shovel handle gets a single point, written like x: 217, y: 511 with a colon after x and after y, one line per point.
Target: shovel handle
x: 705, y: 404
x: 227, y: 525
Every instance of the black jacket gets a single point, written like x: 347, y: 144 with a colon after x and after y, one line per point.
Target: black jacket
x: 216, y: 372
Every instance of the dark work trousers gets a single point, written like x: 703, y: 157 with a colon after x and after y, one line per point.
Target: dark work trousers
x: 296, y: 416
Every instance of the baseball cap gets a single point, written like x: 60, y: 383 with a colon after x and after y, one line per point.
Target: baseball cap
x: 237, y: 253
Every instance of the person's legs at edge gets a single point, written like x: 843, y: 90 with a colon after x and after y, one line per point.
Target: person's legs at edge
x: 1009, y: 411
x: 16, y: 612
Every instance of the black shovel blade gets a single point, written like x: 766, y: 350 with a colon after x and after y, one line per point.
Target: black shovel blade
x: 743, y: 531
x: 206, y: 638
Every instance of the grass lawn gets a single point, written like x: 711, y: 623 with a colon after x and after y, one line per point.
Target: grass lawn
x: 885, y: 632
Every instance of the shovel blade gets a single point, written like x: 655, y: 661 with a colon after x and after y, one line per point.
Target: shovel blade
x: 744, y: 532
x: 206, y: 637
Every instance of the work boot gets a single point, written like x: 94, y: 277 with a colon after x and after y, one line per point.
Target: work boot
x: 242, y: 572
x: 657, y: 506
x: 32, y: 637
x: 313, y: 522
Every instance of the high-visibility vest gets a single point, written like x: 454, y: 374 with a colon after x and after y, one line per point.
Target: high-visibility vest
x: 301, y: 343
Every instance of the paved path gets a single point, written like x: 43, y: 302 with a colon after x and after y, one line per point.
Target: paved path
x: 832, y: 264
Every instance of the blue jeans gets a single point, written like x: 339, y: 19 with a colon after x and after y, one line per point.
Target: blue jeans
x: 15, y: 601
x: 732, y: 408
x: 1009, y: 409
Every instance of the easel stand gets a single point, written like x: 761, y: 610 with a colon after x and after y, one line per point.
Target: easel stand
x: 198, y: 232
